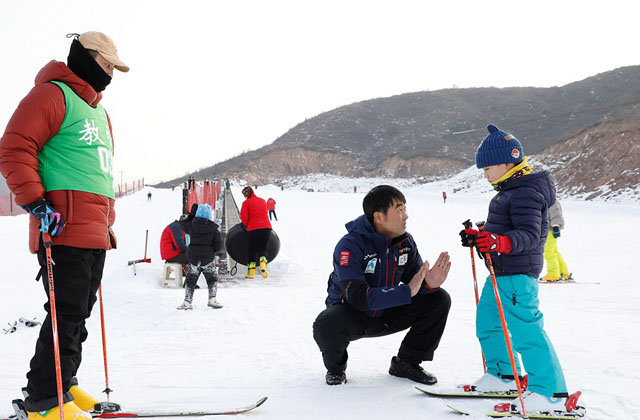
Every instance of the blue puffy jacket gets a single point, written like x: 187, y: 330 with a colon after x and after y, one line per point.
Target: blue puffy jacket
x: 371, y: 272
x: 520, y: 211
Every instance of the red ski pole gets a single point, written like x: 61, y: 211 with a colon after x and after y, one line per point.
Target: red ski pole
x: 46, y: 239
x: 475, y: 288
x: 107, y: 390
x: 467, y: 224
x: 506, y: 331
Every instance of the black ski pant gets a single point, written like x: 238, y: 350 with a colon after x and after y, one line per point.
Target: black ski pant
x: 77, y: 273
x: 258, y: 240
x: 209, y: 271
x: 273, y: 212
x: 425, y: 316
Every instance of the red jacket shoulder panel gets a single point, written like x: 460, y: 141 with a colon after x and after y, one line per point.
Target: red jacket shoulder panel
x: 36, y: 120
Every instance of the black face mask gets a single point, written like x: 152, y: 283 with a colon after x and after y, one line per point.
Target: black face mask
x: 85, y: 67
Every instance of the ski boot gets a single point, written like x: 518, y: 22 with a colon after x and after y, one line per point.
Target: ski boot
x: 535, y: 404
x: 549, y: 277
x: 494, y: 384
x: 263, y: 267
x: 82, y: 398
x: 70, y: 410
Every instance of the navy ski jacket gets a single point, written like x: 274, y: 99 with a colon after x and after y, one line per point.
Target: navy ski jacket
x: 520, y: 211
x: 371, y: 272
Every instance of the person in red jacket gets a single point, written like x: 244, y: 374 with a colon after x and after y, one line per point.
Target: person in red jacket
x: 173, y: 247
x: 56, y: 155
x: 271, y: 206
x: 254, y: 216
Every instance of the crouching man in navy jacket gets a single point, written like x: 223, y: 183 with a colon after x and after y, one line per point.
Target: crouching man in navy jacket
x: 380, y: 286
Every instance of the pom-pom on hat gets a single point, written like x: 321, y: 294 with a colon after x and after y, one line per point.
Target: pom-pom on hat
x: 204, y: 211
x: 498, y: 147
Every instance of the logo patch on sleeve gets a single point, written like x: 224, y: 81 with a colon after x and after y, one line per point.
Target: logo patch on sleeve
x: 403, y: 259
x: 344, y: 258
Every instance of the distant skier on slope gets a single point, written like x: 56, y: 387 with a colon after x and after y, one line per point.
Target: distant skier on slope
x: 556, y: 266
x: 271, y: 206
x: 204, y: 243
x: 380, y: 286
x: 514, y: 234
x: 56, y: 154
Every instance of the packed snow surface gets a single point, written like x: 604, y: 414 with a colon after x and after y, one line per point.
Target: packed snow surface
x: 261, y: 344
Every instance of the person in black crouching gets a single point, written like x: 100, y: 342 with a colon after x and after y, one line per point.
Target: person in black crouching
x: 204, y: 243
x: 380, y: 286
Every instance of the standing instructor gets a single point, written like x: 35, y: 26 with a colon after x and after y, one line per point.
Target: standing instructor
x: 56, y: 155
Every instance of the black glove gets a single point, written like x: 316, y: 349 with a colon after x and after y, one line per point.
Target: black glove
x: 555, y: 231
x: 51, y: 220
x: 192, y: 212
x: 468, y: 237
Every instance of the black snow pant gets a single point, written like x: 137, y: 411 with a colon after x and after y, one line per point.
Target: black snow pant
x: 258, y: 240
x: 193, y: 273
x: 425, y: 316
x: 77, y: 273
x: 273, y: 212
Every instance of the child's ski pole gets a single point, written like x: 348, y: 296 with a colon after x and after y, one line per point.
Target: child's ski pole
x: 467, y: 224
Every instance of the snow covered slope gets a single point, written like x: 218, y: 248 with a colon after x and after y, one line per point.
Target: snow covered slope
x: 261, y: 343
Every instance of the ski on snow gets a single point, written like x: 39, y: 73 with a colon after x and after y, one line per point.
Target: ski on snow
x: 570, y: 280
x: 529, y: 416
x: 459, y: 393
x: 155, y: 413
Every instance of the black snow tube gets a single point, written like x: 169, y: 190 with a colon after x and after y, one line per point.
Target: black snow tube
x: 237, y: 244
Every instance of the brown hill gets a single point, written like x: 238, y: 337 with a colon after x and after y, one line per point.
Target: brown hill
x: 432, y: 135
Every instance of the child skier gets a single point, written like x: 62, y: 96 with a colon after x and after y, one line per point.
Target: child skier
x: 556, y: 266
x: 204, y: 244
x: 514, y: 234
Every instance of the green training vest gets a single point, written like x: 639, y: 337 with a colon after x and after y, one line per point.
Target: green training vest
x: 80, y: 156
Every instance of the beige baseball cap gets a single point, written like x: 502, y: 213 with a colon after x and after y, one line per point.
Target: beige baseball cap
x: 101, y: 43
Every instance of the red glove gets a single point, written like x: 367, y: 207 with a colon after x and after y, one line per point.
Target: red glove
x: 492, y: 242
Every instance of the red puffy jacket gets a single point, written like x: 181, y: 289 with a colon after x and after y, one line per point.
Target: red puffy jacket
x: 254, y: 214
x: 37, y: 119
x: 170, y: 246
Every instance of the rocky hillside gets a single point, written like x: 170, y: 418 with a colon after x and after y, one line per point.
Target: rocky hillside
x: 600, y: 161
x: 433, y: 135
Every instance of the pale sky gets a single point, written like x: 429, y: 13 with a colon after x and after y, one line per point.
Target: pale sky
x: 211, y: 79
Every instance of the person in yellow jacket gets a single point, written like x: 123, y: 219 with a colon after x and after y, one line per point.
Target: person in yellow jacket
x: 556, y: 266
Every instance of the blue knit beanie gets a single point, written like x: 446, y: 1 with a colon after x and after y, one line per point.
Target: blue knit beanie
x: 498, y: 147
x: 204, y: 211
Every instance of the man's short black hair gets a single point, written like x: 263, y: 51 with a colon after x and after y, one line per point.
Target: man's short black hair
x: 380, y: 198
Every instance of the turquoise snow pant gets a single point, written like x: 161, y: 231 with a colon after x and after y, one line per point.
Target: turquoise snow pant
x: 519, y: 297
